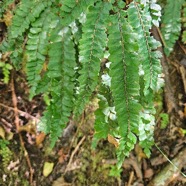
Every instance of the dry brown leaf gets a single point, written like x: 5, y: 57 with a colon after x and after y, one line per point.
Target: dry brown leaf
x: 8, y: 18
x: 40, y: 138
x: 113, y: 140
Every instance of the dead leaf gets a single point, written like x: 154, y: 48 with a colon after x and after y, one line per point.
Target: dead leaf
x: 30, y: 127
x: 48, y: 168
x: 148, y: 173
x: 8, y: 18
x: 139, y: 152
x: 62, y: 156
x: 2, y: 132
x: 40, y: 138
x: 113, y: 140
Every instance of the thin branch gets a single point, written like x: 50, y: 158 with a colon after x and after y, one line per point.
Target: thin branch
x: 21, y: 112
x: 14, y: 100
x: 74, y: 152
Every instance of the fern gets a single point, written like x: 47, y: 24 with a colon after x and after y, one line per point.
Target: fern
x: 71, y: 9
x: 141, y: 21
x: 184, y: 24
x: 101, y: 124
x: 6, y: 71
x: 62, y: 45
x: 171, y: 24
x: 37, y: 47
x: 26, y: 13
x: 4, y: 6
x: 125, y: 80
x: 93, y: 40
x: 61, y: 85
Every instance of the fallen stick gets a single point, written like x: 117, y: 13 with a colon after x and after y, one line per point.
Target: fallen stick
x: 171, y: 172
x: 16, y: 121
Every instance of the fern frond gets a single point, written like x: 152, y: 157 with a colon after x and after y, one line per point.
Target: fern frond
x: 36, y: 48
x: 125, y: 80
x: 26, y: 13
x: 184, y: 24
x: 171, y: 24
x: 71, y: 9
x: 141, y: 21
x: 101, y: 126
x: 4, y: 6
x: 15, y: 48
x: 91, y: 49
x: 61, y: 85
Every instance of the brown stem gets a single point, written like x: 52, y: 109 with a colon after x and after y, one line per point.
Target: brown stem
x: 14, y: 100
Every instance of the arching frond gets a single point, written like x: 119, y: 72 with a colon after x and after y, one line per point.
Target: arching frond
x: 61, y: 85
x: 141, y: 21
x: 171, y: 24
x: 71, y: 9
x: 93, y: 40
x: 26, y: 13
x: 37, y: 47
x: 125, y: 79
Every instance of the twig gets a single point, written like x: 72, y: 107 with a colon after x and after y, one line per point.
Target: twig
x: 74, y: 152
x: 171, y: 172
x: 14, y: 100
x: 128, y: 162
x: 130, y: 178
x: 184, y: 50
x: 161, y: 37
x: 20, y: 111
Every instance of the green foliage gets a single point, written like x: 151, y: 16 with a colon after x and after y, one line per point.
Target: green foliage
x: 4, y: 6
x: 184, y: 24
x: 72, y: 9
x: 164, y: 120
x: 26, y: 13
x: 91, y: 50
x: 61, y: 77
x: 171, y: 24
x: 37, y: 47
x: 61, y: 46
x: 6, y: 67
x: 5, y: 152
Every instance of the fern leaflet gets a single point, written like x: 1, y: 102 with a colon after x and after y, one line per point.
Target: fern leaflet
x: 26, y: 13
x: 71, y: 9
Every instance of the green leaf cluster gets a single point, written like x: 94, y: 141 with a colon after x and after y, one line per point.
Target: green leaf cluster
x: 184, y: 23
x: 6, y: 67
x: 62, y: 45
x: 171, y: 24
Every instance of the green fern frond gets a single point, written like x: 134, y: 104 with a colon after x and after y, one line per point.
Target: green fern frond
x: 4, y: 6
x: 6, y: 68
x: 171, y: 24
x: 141, y: 21
x: 184, y: 24
x: 61, y: 85
x: 91, y: 49
x: 125, y: 80
x: 37, y: 47
x: 71, y: 9
x: 101, y: 126
x: 26, y: 13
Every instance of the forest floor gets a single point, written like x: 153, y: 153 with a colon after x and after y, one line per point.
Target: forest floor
x: 26, y: 158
